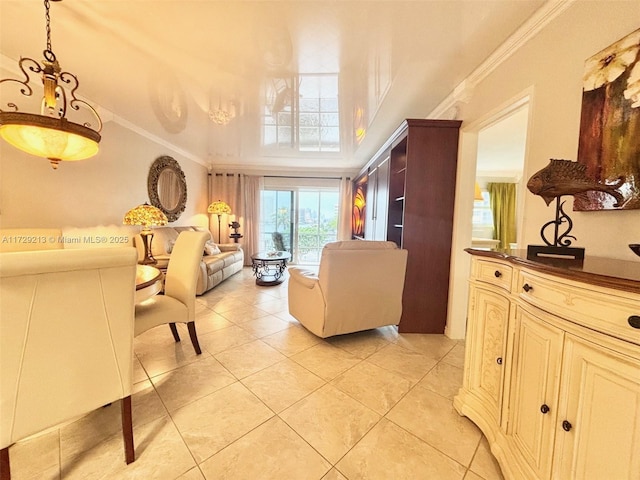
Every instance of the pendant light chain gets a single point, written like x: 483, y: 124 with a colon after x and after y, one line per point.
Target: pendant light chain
x: 48, y: 53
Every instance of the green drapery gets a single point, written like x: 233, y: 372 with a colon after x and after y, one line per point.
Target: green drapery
x: 503, y: 206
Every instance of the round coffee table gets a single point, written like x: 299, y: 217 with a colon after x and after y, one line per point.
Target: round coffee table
x: 269, y: 267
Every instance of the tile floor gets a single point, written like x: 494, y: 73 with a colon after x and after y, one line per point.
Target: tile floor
x: 269, y: 400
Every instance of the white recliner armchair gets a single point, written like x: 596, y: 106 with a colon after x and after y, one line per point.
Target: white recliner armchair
x: 358, y: 287
x: 66, y: 339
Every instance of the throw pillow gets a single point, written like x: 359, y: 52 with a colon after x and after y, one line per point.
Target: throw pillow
x: 211, y: 248
x: 170, y: 245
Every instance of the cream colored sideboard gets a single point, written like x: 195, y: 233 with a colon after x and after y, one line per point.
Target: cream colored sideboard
x: 552, y: 365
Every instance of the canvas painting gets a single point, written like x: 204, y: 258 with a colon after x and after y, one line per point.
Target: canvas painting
x: 609, y: 142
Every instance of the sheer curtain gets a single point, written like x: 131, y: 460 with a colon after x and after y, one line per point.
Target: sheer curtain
x: 344, y: 215
x: 242, y: 193
x: 503, y: 206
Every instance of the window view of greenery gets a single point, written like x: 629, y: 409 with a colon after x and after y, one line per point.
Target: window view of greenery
x: 304, y: 233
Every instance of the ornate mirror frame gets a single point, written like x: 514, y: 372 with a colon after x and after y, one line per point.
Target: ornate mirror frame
x: 159, y: 165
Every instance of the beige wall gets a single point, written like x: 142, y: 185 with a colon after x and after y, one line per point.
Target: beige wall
x: 96, y: 191
x: 552, y: 63
x: 548, y: 68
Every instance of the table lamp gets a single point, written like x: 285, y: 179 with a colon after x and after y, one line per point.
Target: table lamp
x: 219, y: 208
x: 147, y: 216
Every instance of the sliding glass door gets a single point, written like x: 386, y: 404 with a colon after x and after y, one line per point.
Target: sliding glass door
x: 299, y: 220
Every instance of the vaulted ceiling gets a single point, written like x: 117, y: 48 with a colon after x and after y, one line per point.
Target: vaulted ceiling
x: 314, y: 85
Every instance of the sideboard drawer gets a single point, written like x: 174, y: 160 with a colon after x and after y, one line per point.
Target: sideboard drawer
x: 607, y: 311
x: 495, y: 273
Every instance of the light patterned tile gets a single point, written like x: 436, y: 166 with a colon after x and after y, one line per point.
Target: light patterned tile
x: 249, y: 358
x: 326, y: 361
x: 211, y: 423
x: 433, y: 419
x: 484, y: 463
x: 36, y: 458
x: 273, y: 451
x: 331, y: 421
x: 287, y: 317
x: 455, y: 356
x: 444, y: 379
x: 292, y: 340
x: 224, y: 339
x: 388, y: 451
x: 243, y: 314
x: 157, y: 358
x: 191, y: 382
x: 432, y: 345
x: 375, y: 387
x: 406, y: 363
x: 160, y: 453
x: 363, y: 344
x: 209, y: 322
x: 193, y: 474
x: 104, y: 422
x: 264, y: 326
x: 283, y: 384
x: 334, y: 475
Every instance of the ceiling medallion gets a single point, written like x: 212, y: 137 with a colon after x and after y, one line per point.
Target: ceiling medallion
x: 49, y: 134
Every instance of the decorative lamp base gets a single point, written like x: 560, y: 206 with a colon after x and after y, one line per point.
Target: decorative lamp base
x: 148, y: 259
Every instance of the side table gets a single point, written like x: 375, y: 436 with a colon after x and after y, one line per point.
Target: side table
x: 269, y: 267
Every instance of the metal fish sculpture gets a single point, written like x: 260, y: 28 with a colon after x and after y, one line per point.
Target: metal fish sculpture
x: 564, y: 177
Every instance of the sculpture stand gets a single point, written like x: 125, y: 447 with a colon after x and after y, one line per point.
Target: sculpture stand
x: 560, y: 247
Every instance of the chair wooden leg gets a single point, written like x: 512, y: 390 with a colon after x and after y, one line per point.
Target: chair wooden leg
x: 127, y: 430
x: 194, y: 337
x: 174, y: 330
x: 5, y: 469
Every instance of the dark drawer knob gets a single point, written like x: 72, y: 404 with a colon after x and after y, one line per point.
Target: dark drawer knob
x: 499, y: 360
x: 544, y: 408
x: 634, y: 321
x: 527, y: 288
x: 566, y: 426
x: 497, y: 273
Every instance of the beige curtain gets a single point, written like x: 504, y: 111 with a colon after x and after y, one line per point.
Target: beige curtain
x: 242, y: 194
x: 503, y: 206
x: 344, y: 214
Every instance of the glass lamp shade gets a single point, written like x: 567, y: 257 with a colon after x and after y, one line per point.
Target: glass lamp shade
x: 145, y: 215
x: 219, y: 208
x: 54, y: 138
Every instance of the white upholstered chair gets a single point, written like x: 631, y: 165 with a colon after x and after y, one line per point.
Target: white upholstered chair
x: 358, y: 287
x: 66, y: 339
x: 178, y: 304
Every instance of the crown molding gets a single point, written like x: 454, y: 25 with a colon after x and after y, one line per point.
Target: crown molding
x: 534, y: 24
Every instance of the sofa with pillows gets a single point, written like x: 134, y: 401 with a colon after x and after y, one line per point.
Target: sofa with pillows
x: 219, y: 261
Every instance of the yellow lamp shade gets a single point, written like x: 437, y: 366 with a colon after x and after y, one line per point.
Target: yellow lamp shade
x: 145, y: 215
x: 53, y: 138
x: 219, y: 208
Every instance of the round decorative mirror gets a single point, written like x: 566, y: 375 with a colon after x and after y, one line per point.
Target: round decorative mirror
x: 167, y: 187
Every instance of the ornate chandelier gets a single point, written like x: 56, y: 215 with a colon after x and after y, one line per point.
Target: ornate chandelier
x: 49, y: 134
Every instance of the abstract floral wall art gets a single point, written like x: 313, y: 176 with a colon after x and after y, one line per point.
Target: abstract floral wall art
x: 609, y: 143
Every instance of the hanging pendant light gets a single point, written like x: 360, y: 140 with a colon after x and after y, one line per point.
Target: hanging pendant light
x: 49, y: 134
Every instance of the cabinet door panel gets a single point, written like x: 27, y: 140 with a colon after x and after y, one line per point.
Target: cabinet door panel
x: 601, y: 401
x: 488, y: 336
x: 535, y: 382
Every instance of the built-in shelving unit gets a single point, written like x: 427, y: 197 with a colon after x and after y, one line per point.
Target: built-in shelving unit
x: 418, y: 181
